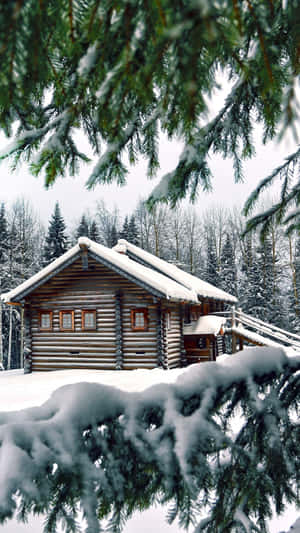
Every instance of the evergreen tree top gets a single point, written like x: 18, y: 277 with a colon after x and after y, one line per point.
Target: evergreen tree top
x: 83, y: 228
x: 124, y: 71
x: 56, y: 241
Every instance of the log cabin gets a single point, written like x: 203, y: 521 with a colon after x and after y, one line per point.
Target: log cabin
x: 120, y: 308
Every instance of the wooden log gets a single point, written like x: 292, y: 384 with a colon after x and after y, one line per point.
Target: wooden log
x: 27, y: 341
x: 183, y: 359
x: 159, y: 337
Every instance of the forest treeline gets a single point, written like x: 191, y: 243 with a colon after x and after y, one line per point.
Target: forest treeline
x: 265, y: 276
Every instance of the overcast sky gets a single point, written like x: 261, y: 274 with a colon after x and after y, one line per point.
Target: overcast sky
x: 74, y: 198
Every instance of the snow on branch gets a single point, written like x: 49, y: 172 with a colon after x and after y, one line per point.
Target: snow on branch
x: 111, y: 452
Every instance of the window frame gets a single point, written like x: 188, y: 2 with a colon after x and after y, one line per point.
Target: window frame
x: 133, y: 313
x: 61, y: 314
x: 45, y: 312
x: 83, y: 313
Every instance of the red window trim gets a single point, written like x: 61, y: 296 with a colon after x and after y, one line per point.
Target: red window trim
x: 83, y: 313
x: 45, y: 312
x: 133, y: 320
x: 64, y: 312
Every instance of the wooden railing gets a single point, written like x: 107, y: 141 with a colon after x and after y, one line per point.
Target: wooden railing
x: 237, y: 321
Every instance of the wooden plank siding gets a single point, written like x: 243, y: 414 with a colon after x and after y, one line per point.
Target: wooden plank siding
x: 97, y: 288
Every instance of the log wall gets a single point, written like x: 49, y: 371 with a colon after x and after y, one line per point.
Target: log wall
x: 97, y: 288
x: 173, y: 338
x: 139, y: 347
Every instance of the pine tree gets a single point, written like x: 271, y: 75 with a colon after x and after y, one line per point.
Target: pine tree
x: 83, y: 228
x: 3, y: 235
x: 113, y: 237
x: 228, y: 274
x: 294, y: 304
x: 263, y: 308
x: 133, y: 234
x: 260, y: 294
x: 124, y: 74
x: 125, y: 229
x: 212, y: 274
x: 56, y: 239
x: 245, y: 286
x: 94, y: 232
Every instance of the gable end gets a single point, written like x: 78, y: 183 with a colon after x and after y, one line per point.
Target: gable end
x: 46, y: 278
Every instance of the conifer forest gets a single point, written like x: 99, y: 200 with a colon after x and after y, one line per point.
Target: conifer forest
x: 264, y: 275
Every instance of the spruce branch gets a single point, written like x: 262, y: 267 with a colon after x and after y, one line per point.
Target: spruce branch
x: 121, y: 57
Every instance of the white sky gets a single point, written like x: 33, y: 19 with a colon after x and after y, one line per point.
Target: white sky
x: 74, y: 198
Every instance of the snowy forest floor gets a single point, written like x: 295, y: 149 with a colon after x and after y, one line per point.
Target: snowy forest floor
x: 19, y: 391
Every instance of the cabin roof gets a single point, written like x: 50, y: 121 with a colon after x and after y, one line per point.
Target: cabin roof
x: 155, y: 282
x: 208, y: 324
x: 202, y: 288
x: 157, y: 276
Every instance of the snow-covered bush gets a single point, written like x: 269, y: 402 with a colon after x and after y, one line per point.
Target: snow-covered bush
x: 109, y: 452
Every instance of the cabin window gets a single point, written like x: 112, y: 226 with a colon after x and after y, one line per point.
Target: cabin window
x: 139, y: 319
x: 88, y: 320
x: 45, y: 320
x: 66, y: 320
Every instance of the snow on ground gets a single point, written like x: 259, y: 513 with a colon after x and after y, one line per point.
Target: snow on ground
x: 19, y: 391
x: 295, y: 527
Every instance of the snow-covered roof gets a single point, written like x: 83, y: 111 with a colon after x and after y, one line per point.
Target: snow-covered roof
x: 154, y: 281
x: 205, y: 325
x: 203, y: 289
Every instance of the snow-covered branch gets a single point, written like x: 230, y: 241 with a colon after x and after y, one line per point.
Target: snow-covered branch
x: 112, y: 452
